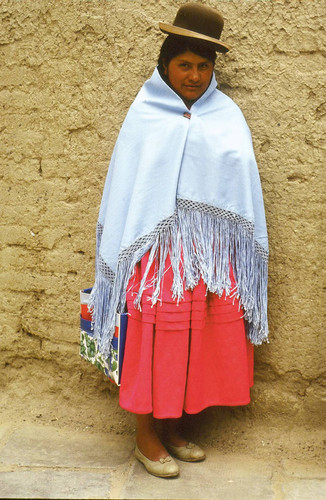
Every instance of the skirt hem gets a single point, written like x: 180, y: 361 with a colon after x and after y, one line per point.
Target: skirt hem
x: 189, y: 412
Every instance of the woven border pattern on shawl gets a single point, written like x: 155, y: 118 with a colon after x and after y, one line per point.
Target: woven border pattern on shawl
x: 210, y: 238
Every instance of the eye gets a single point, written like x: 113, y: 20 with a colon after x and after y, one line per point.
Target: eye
x: 184, y: 65
x: 204, y: 66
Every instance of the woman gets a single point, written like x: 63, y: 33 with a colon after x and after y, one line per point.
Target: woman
x: 182, y: 242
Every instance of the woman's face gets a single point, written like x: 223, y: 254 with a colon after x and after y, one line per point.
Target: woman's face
x: 189, y: 75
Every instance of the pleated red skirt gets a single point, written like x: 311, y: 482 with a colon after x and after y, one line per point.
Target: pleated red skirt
x: 186, y: 356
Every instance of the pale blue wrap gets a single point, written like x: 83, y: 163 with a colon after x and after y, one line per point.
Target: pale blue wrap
x: 175, y: 183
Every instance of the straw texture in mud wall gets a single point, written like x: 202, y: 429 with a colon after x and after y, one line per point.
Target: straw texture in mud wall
x: 69, y: 71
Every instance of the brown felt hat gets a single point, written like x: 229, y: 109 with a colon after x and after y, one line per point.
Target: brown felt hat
x: 196, y: 20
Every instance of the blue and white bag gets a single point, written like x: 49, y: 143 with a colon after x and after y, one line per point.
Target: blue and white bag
x: 112, y: 366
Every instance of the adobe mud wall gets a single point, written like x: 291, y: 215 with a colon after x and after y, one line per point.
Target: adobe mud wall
x: 69, y: 71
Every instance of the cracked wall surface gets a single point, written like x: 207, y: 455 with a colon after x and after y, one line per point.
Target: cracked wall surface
x: 69, y: 71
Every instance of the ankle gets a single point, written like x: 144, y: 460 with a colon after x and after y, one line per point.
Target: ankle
x: 171, y: 433
x: 175, y: 439
x: 151, y: 447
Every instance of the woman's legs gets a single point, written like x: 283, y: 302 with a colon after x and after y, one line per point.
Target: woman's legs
x: 171, y: 433
x: 149, y: 439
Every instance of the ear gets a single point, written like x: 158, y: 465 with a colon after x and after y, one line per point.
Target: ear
x: 165, y: 69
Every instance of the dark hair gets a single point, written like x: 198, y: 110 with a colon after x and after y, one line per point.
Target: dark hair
x: 175, y: 45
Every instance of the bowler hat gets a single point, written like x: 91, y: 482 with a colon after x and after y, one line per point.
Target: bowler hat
x: 196, y: 20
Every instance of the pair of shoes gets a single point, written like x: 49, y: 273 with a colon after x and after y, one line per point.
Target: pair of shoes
x: 164, y: 467
x: 188, y: 453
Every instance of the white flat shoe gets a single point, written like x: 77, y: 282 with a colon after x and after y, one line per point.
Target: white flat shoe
x: 164, y: 467
x: 188, y: 453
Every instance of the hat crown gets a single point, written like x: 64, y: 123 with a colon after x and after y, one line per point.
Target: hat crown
x: 200, y: 18
x: 195, y: 20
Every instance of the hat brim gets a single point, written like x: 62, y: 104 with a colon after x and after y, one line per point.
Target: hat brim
x: 176, y: 30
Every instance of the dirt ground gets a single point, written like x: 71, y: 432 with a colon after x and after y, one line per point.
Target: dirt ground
x: 226, y: 429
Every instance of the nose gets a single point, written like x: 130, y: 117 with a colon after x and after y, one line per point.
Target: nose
x: 194, y: 75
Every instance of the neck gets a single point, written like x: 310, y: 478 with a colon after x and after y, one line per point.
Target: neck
x: 189, y: 103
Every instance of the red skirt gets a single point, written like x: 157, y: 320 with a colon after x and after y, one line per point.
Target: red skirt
x: 184, y: 356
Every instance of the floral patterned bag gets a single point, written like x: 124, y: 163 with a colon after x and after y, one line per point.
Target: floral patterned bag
x: 112, y: 366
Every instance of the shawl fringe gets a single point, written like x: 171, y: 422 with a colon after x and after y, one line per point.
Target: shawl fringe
x: 201, y: 241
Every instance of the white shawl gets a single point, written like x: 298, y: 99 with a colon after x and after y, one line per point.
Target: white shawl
x: 182, y: 182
